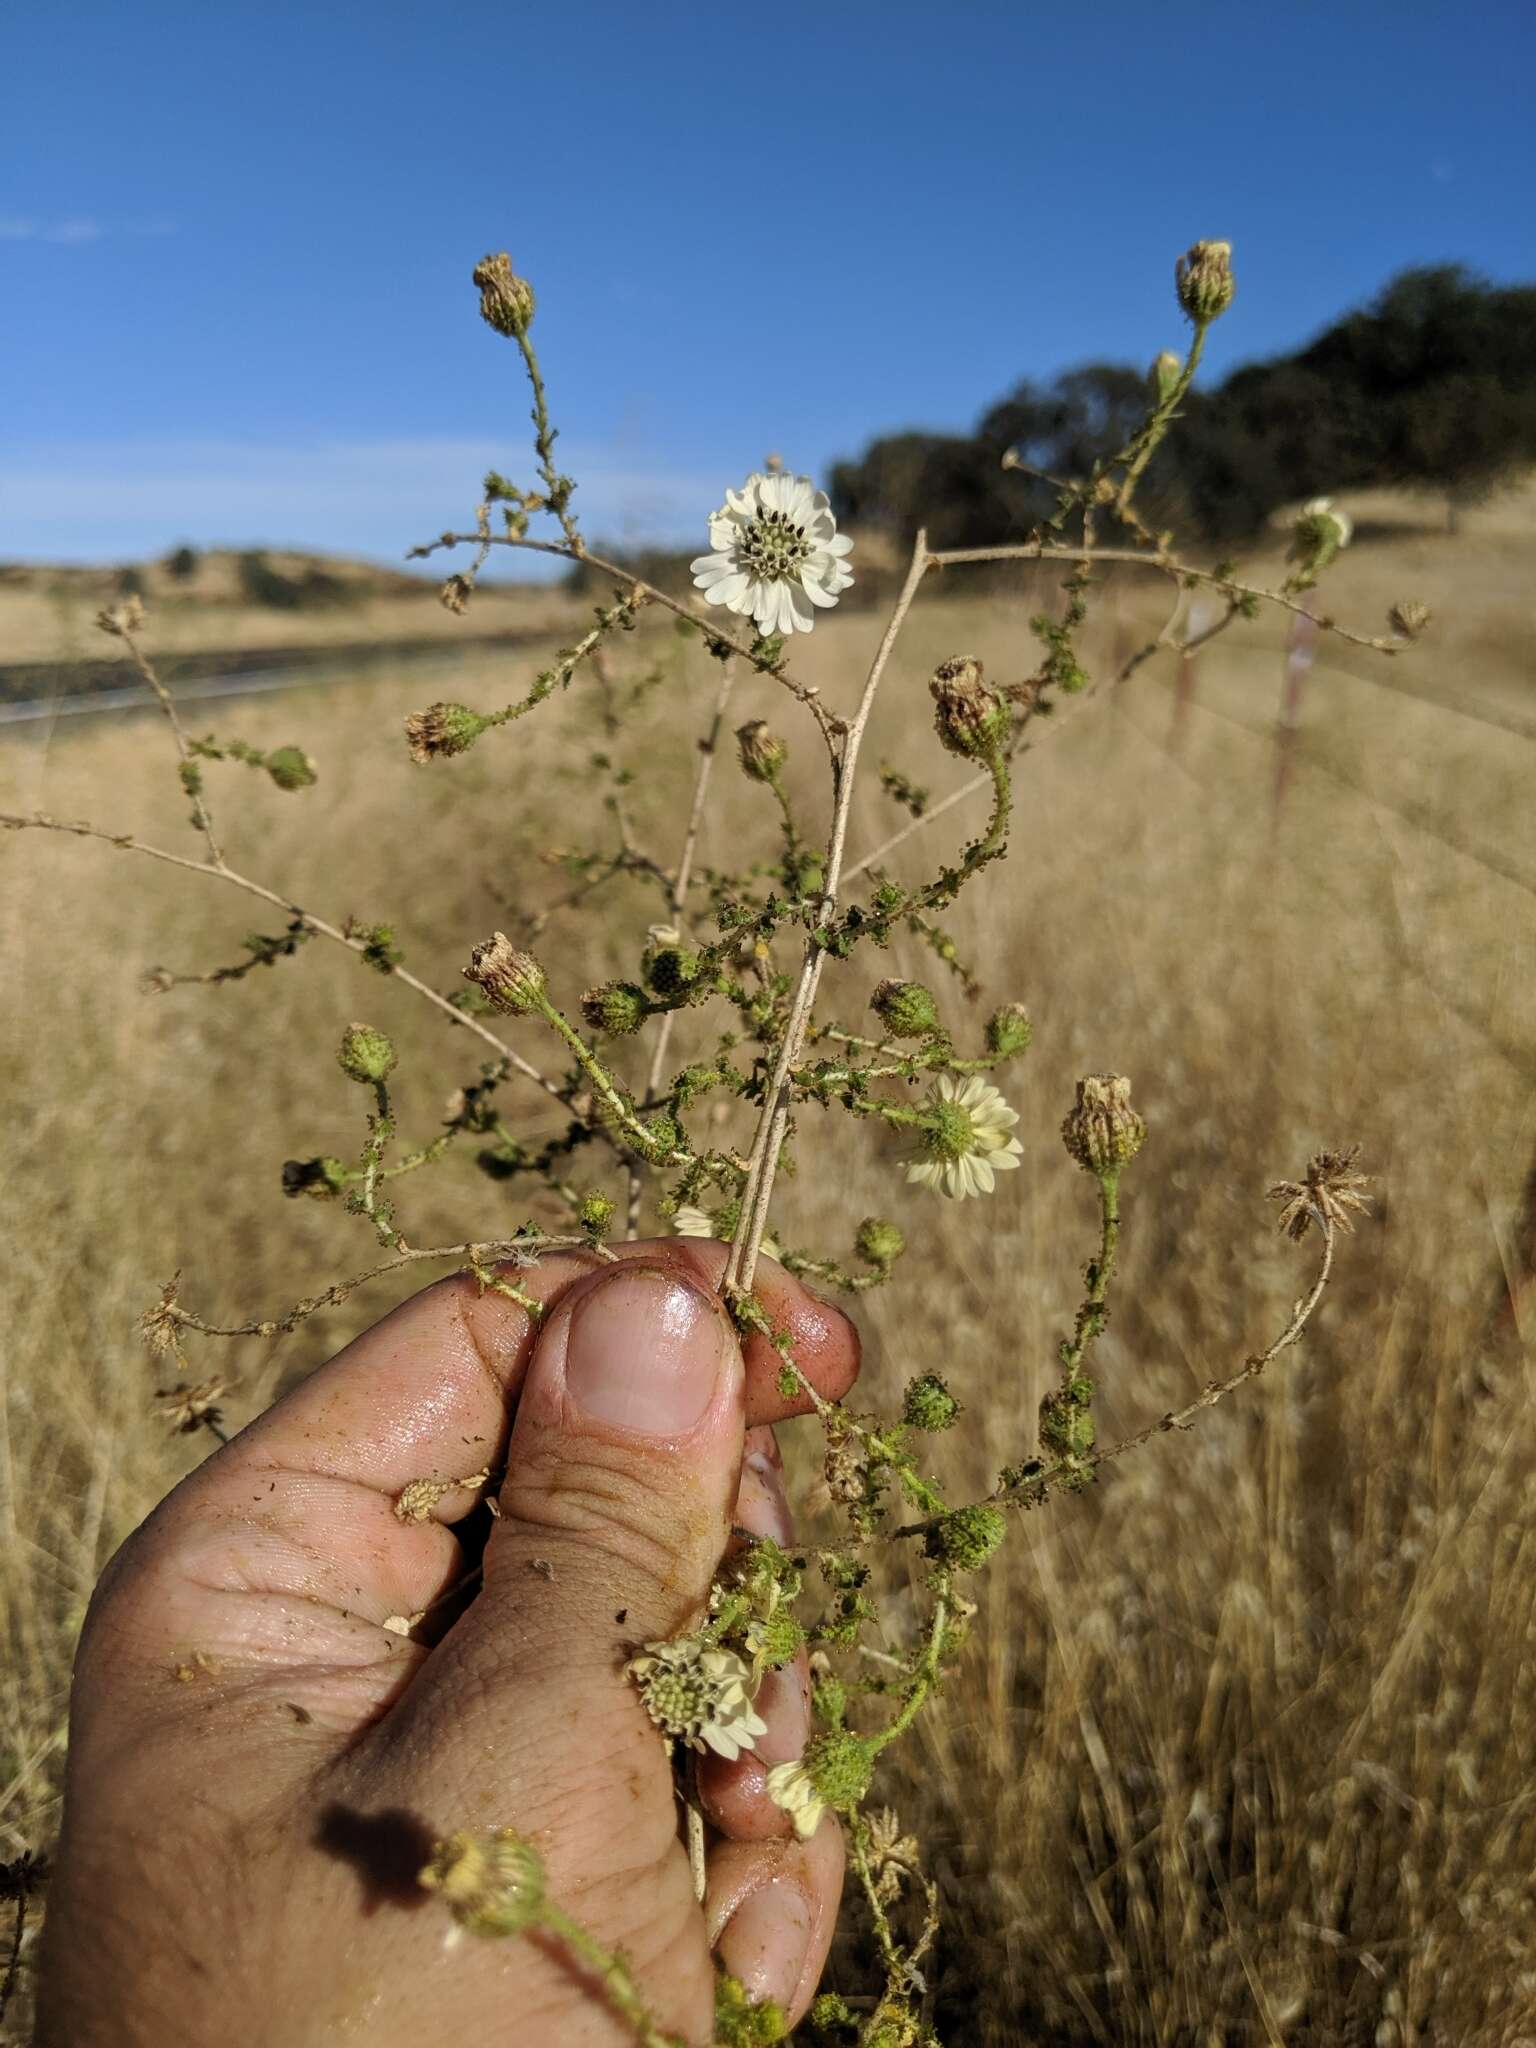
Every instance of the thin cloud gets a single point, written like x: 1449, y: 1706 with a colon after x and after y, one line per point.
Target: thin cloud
x: 68, y: 233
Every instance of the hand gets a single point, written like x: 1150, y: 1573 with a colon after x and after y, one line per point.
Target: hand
x: 258, y: 1767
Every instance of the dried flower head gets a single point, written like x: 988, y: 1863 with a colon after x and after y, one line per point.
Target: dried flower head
x: 122, y: 619
x: 762, y: 753
x: 965, y: 1139
x: 442, y: 729
x: 1203, y: 275
x: 492, y: 1883
x: 699, y: 1694
x: 455, y: 593
x: 158, y: 1326
x: 511, y: 979
x: 1408, y: 618
x: 1102, y: 1131
x: 1330, y: 1191
x: 618, y: 1007
x: 776, y: 555
x: 506, y: 300
x: 190, y: 1408
x: 970, y: 719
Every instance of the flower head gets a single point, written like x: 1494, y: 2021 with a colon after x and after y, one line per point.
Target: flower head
x: 1320, y: 530
x: 1203, y: 275
x: 1102, y: 1131
x: 835, y: 1771
x: 792, y: 1790
x: 512, y: 979
x: 1329, y: 1192
x: 700, y: 1694
x: 442, y: 729
x: 492, y: 1883
x: 775, y: 554
x: 966, y: 1138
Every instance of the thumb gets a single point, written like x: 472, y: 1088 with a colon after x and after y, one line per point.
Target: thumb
x: 625, y: 1458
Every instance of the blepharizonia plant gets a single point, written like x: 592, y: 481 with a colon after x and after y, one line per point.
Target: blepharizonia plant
x: 695, y: 1143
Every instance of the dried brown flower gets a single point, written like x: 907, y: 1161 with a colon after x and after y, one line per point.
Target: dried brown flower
x: 190, y: 1408
x: 1327, y: 1195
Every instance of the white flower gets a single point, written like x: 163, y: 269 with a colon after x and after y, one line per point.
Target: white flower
x: 699, y: 1693
x: 965, y: 1140
x: 776, y: 553
x: 690, y: 1222
x: 791, y: 1788
x: 1325, y: 509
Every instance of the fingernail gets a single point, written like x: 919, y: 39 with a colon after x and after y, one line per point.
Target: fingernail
x: 767, y: 1940
x: 645, y: 1352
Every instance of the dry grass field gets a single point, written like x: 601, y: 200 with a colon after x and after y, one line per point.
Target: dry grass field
x: 1244, y: 1748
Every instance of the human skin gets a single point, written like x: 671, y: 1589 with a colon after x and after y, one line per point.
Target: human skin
x: 258, y: 1768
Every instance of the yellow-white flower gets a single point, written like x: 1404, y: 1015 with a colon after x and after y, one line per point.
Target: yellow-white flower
x: 965, y: 1139
x: 700, y: 1694
x: 775, y: 554
x: 690, y: 1222
x: 1324, y: 509
x: 791, y: 1788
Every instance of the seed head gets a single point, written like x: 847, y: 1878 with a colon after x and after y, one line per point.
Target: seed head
x: 761, y: 751
x: 122, y: 619
x: 492, y: 1883
x: 969, y: 718
x: 1203, y: 275
x: 442, y: 729
x: 966, y: 1537
x: 670, y: 970
x: 291, y: 768
x: 366, y: 1055
x: 1009, y: 1031
x: 618, y: 1007
x: 928, y: 1403
x: 1329, y: 1192
x: 1102, y: 1131
x: 1408, y: 618
x: 506, y: 301
x: 190, y: 1408
x: 513, y: 981
x: 455, y: 594
x: 905, y: 1008
x: 1163, y: 377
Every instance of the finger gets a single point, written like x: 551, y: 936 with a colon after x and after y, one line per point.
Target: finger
x: 771, y: 1909
x: 734, y: 1794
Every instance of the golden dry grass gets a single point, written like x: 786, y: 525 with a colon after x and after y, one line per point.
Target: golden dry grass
x: 1243, y: 1747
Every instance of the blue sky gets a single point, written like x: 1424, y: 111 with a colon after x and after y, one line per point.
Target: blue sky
x: 235, y: 239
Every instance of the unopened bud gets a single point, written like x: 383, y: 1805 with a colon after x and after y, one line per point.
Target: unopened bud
x: 512, y: 980
x: 506, y: 301
x: 1408, y: 618
x: 879, y: 1243
x: 1009, y: 1031
x: 596, y: 1213
x: 618, y: 1007
x: 1321, y: 529
x: 966, y: 1537
x: 928, y: 1403
x: 905, y: 1008
x: 1163, y: 377
x: 442, y: 729
x: 291, y: 768
x: 318, y: 1178
x: 762, y: 752
x: 492, y: 1883
x: 366, y: 1055
x: 1203, y: 275
x: 1102, y: 1131
x: 969, y: 719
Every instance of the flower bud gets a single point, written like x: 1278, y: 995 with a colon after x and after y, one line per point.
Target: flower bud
x: 966, y: 1537
x: 506, y: 301
x: 366, y: 1055
x: 595, y: 1213
x: 618, y: 1007
x: 291, y: 768
x: 1102, y: 1131
x: 511, y: 980
x: 928, y: 1403
x: 905, y: 1008
x: 1321, y: 529
x: 969, y: 719
x: 670, y: 970
x: 1163, y: 377
x: 318, y: 1178
x: 492, y: 1883
x: 879, y: 1243
x: 1408, y: 618
x: 1009, y: 1031
x: 1203, y: 275
x: 761, y: 751
x: 443, y: 729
